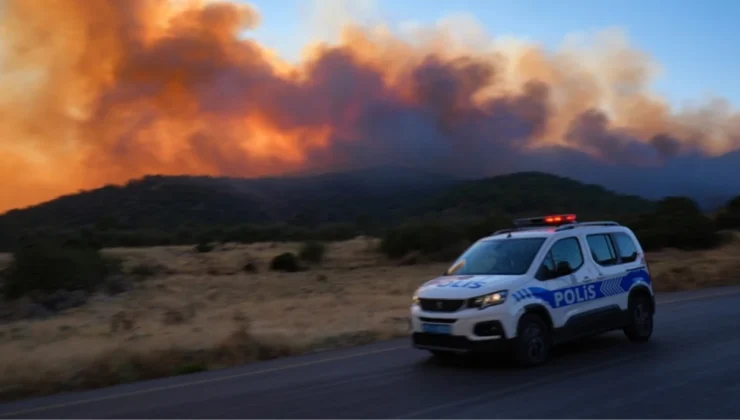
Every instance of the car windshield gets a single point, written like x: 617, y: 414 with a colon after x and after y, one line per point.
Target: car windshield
x: 511, y: 256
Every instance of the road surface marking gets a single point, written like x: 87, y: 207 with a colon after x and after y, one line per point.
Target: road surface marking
x: 281, y: 368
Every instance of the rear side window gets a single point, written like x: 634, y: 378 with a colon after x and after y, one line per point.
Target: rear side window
x: 627, y: 248
x: 602, y: 249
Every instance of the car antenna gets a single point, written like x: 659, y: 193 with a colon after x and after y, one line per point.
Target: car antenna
x: 508, y: 236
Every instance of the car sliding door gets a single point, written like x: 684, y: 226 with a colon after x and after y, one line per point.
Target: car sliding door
x: 610, y: 272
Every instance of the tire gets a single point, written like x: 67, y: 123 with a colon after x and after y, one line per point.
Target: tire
x: 640, y: 323
x: 533, y: 341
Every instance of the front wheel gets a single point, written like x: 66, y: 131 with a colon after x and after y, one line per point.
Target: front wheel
x: 532, y: 343
x: 640, y: 324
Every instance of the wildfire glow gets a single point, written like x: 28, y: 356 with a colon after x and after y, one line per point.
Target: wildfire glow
x: 98, y: 92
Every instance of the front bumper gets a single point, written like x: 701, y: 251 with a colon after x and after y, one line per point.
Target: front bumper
x: 468, y: 331
x: 458, y: 344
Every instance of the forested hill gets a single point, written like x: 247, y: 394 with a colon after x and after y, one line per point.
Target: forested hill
x: 378, y: 198
x: 530, y: 194
x: 167, y: 202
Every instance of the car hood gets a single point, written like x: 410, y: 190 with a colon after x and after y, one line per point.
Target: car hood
x: 457, y: 287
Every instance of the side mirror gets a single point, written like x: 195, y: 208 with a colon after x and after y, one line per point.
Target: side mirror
x: 563, y: 269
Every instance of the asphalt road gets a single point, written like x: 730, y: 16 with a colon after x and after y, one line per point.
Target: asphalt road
x: 691, y: 369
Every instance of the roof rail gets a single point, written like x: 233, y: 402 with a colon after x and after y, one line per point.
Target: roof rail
x: 583, y: 224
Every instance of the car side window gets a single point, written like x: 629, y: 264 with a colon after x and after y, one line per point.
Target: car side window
x: 565, y: 257
x: 602, y: 249
x: 626, y: 246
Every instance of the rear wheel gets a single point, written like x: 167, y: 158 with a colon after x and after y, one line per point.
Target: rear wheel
x: 532, y: 343
x: 640, y: 324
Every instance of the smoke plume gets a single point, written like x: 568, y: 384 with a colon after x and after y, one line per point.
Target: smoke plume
x: 100, y: 92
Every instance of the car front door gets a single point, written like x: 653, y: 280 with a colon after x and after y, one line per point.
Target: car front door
x: 563, y: 280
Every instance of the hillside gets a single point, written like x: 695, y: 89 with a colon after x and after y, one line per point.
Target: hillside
x: 166, y: 202
x: 374, y: 198
x: 531, y: 194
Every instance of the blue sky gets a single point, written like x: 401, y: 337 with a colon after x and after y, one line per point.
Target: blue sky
x: 695, y: 42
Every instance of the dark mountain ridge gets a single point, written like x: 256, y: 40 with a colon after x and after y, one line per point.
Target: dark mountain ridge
x: 166, y: 202
x: 386, y: 195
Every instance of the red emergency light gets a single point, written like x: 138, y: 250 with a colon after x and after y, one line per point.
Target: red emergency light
x: 560, y: 218
x: 549, y: 220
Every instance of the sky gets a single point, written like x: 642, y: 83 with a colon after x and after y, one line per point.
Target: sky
x: 639, y: 97
x: 694, y: 41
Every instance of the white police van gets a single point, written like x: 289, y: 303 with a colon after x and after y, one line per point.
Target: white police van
x: 544, y: 282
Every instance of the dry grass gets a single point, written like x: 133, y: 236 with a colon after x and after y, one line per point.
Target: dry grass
x: 197, y: 311
x: 676, y: 270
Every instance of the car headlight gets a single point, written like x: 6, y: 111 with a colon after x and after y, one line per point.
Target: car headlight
x: 491, y: 299
x: 414, y: 300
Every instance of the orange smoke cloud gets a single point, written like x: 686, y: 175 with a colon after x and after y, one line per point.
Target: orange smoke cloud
x: 102, y: 92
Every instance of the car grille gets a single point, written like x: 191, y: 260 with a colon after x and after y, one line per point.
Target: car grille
x: 441, y: 305
x: 438, y: 320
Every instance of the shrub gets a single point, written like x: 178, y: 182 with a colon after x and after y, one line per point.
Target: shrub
x: 286, y: 261
x: 204, y: 247
x: 729, y: 217
x: 48, y: 268
x: 250, y: 267
x: 428, y: 238
x: 451, y: 252
x: 313, y: 251
x: 676, y: 223
x: 486, y: 226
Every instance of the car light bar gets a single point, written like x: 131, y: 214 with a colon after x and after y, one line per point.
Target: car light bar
x: 550, y: 220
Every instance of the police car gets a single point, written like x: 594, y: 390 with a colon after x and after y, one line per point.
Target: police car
x: 546, y: 281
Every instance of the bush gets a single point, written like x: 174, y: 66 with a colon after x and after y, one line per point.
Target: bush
x: 286, y: 261
x: 486, y: 226
x: 204, y: 247
x: 729, y: 217
x: 313, y: 251
x: 48, y: 268
x: 676, y: 223
x: 250, y: 267
x: 428, y: 238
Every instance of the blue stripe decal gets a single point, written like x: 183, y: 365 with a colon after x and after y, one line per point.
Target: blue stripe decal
x: 576, y: 294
